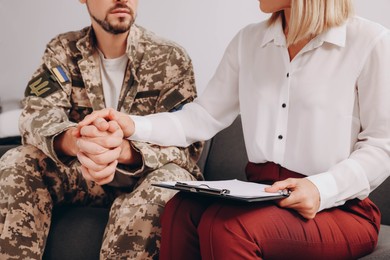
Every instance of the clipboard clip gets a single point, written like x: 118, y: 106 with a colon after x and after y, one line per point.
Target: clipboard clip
x: 202, y: 188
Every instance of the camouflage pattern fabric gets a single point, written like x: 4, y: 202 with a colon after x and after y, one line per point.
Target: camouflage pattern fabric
x: 65, y: 88
x: 134, y: 219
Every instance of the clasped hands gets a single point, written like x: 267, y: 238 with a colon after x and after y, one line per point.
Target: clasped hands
x: 99, y: 142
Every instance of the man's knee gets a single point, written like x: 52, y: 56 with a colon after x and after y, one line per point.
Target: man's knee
x: 20, y: 170
x: 25, y: 157
x: 168, y: 172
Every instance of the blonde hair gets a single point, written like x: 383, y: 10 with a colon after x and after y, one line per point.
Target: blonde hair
x: 310, y: 18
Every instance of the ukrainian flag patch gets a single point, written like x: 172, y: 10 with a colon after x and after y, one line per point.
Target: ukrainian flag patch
x: 42, y: 85
x: 60, y: 74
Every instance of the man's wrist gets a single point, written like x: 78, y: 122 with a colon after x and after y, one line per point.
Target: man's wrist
x: 65, y: 143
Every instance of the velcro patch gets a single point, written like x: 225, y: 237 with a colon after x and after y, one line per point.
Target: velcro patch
x: 172, y: 100
x: 42, y: 86
x: 78, y: 83
x: 148, y: 94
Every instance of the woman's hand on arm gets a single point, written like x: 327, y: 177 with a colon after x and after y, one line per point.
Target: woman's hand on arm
x: 109, y: 114
x: 304, y: 196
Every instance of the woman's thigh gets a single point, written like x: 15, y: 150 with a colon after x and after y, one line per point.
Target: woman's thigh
x: 234, y: 231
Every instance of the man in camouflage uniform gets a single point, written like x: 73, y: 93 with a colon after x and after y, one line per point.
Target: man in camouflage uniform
x: 56, y: 163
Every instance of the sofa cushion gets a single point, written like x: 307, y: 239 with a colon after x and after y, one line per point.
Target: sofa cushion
x: 380, y: 197
x: 9, y: 123
x: 227, y: 155
x: 76, y: 233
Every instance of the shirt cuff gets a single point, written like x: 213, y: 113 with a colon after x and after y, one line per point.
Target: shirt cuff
x: 327, y: 186
x: 143, y: 128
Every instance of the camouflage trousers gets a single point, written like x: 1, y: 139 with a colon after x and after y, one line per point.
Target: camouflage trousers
x: 31, y: 184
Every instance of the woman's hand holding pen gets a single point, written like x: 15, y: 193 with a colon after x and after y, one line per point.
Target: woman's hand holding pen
x: 304, y: 196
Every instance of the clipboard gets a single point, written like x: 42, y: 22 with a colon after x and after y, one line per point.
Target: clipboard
x: 227, y: 189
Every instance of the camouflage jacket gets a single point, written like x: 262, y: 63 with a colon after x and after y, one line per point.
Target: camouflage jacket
x: 67, y: 86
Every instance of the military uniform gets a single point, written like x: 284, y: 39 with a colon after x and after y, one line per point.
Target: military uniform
x: 66, y: 87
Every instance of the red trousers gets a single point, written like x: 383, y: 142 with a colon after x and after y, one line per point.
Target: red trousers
x: 200, y: 228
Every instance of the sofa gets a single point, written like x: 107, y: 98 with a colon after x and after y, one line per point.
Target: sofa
x: 76, y: 232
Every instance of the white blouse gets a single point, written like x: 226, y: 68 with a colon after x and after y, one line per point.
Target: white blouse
x: 325, y: 114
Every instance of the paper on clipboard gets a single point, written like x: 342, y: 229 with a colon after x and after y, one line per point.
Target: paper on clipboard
x: 229, y: 189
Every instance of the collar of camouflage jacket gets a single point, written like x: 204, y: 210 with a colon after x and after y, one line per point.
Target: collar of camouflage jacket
x: 87, y: 46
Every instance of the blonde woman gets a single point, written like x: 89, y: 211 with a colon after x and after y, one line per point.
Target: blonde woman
x: 313, y: 89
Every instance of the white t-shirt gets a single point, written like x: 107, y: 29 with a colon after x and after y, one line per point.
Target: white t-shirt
x: 112, y: 72
x: 325, y: 114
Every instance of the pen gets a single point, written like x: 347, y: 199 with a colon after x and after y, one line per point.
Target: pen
x: 202, y: 188
x: 285, y: 192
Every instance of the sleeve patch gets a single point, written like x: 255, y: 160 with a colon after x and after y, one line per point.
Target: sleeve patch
x: 42, y: 86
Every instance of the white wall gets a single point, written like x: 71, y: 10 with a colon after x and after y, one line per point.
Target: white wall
x: 203, y: 27
x: 25, y: 28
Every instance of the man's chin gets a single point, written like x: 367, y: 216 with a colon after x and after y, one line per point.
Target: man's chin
x: 121, y: 27
x: 115, y: 26
x: 122, y: 24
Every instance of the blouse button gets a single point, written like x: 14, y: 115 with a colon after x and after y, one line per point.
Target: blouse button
x: 284, y: 105
x: 280, y: 137
x: 288, y: 74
